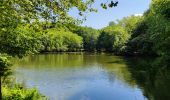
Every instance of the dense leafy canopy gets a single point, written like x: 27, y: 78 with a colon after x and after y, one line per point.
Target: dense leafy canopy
x: 152, y: 34
x: 90, y: 37
x: 19, y: 42
x: 60, y: 40
x: 112, y: 39
x: 159, y: 26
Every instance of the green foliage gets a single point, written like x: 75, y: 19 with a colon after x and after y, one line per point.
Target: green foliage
x: 140, y: 44
x: 60, y: 40
x: 18, y: 92
x: 152, y: 34
x: 30, y: 39
x: 130, y: 23
x: 19, y: 42
x: 113, y: 39
x: 111, y: 4
x: 35, y: 9
x: 15, y: 12
x: 89, y: 36
x: 140, y: 29
x: 4, y: 65
x: 159, y: 26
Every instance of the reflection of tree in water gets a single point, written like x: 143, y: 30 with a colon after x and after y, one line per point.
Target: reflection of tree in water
x: 153, y: 76
x: 114, y: 66
x: 117, y: 69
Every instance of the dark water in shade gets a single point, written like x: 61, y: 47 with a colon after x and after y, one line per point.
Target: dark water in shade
x: 81, y: 76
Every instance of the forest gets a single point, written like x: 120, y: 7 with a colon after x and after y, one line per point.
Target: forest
x: 22, y: 34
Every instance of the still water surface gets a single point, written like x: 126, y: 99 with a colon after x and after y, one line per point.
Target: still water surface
x: 80, y: 76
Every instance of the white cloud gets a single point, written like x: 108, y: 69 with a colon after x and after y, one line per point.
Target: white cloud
x: 138, y: 14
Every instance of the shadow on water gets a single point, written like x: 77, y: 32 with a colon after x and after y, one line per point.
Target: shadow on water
x: 152, y: 75
x: 95, y: 76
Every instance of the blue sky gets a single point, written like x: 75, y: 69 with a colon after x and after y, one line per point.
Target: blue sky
x: 103, y: 17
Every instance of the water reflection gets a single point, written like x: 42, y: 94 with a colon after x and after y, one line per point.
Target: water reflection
x: 92, y: 77
x: 152, y: 75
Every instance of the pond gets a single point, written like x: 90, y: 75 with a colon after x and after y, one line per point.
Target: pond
x: 82, y: 76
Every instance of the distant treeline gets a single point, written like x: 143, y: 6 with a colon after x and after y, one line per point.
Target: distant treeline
x: 134, y: 35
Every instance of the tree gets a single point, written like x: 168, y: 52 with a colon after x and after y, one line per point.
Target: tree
x: 19, y: 42
x: 130, y: 23
x: 151, y: 36
x: 113, y: 39
x: 159, y: 26
x: 89, y: 35
x: 54, y: 40
x: 139, y: 43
